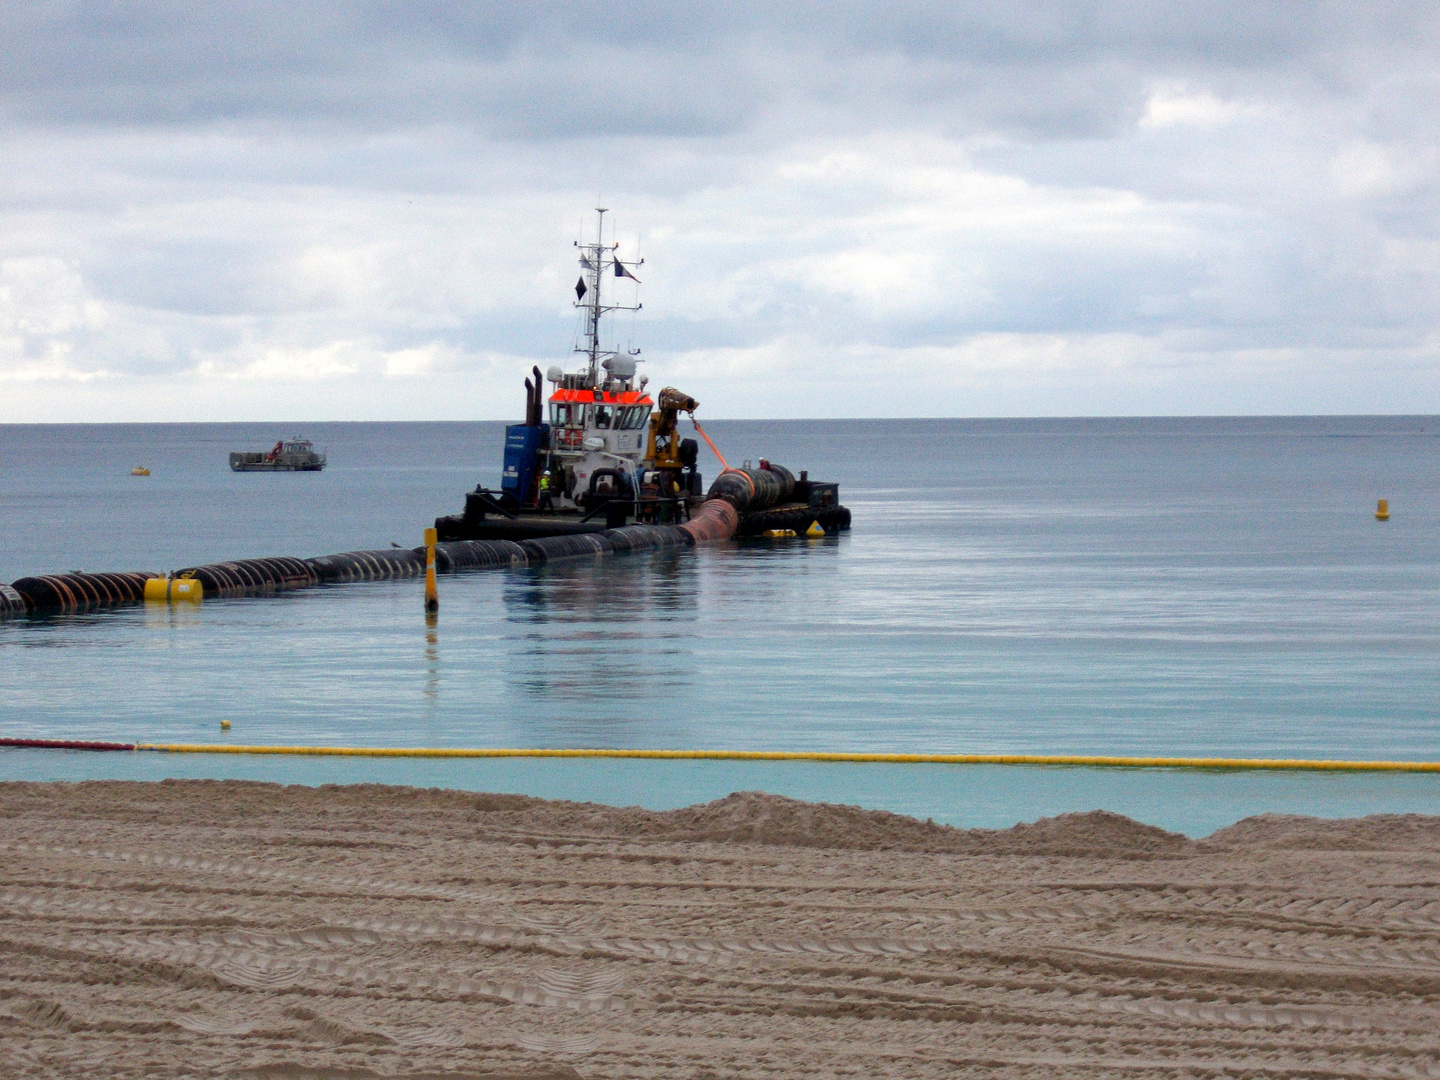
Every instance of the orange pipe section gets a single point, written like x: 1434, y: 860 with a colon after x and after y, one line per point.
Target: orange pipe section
x: 715, y: 520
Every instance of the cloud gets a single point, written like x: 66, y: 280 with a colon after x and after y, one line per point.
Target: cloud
x: 1168, y: 106
x: 1062, y: 205
x: 44, y: 314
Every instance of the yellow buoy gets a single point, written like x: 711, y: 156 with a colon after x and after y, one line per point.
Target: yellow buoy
x: 814, y: 529
x: 159, y: 590
x: 224, y: 725
x: 1382, y: 510
x: 778, y: 534
x: 139, y: 470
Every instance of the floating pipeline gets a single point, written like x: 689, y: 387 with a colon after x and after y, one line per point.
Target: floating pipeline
x: 62, y: 593
x: 742, y: 502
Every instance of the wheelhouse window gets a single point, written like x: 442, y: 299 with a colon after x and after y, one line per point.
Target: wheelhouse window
x: 603, y: 415
x: 563, y: 414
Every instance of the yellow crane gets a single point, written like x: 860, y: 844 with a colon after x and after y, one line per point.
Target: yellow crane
x: 665, y: 450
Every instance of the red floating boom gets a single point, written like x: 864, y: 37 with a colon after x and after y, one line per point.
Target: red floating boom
x: 66, y: 744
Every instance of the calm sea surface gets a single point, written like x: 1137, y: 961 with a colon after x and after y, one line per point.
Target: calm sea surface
x: 1162, y: 586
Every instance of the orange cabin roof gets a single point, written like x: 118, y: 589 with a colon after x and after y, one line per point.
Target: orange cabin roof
x: 628, y: 397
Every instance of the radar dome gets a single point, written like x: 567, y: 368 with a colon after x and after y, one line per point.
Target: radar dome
x: 620, y: 366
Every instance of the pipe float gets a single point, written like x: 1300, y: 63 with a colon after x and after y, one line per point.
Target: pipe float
x: 174, y: 590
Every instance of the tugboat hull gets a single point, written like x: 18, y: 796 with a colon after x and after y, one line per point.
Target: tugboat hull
x: 523, y: 527
x: 269, y: 466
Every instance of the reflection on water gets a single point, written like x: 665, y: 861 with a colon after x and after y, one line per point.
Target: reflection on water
x: 432, y: 656
x: 610, y: 630
x: 159, y: 617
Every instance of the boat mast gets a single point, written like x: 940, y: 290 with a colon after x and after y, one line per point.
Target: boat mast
x: 596, y: 276
x: 595, y: 258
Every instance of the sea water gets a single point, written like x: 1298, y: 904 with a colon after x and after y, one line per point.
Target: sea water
x: 1178, y: 587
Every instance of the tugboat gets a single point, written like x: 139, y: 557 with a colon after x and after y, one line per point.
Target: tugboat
x: 608, y: 455
x: 287, y: 455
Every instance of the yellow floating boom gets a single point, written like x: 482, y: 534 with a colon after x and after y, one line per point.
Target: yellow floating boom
x: 1092, y: 761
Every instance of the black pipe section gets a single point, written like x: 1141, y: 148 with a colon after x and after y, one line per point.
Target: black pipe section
x: 629, y: 538
x: 549, y: 549
x: 382, y: 565
x: 11, y: 603
x: 78, y: 591
x: 457, y: 555
x: 754, y: 489
x: 253, y: 577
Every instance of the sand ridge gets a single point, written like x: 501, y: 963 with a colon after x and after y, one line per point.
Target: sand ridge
x: 206, y: 928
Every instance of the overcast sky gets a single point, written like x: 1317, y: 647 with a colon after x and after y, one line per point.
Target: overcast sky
x: 366, y: 211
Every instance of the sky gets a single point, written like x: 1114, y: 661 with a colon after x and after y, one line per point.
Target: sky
x: 365, y: 211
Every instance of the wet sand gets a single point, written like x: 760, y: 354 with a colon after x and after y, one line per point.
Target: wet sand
x: 245, y: 930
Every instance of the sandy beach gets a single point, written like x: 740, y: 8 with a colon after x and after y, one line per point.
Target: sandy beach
x: 245, y: 930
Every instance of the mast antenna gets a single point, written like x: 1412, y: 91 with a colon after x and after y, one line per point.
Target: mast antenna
x: 595, y: 259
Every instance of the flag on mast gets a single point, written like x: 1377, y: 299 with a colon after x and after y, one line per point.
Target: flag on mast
x: 621, y: 270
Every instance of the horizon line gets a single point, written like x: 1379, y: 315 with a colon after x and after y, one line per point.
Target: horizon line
x: 764, y: 419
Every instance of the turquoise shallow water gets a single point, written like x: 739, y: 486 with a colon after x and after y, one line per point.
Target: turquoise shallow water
x: 1177, y: 587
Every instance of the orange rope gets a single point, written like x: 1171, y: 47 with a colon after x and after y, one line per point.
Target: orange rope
x: 708, y: 443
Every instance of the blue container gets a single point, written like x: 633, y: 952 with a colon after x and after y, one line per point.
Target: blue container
x: 523, y: 444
